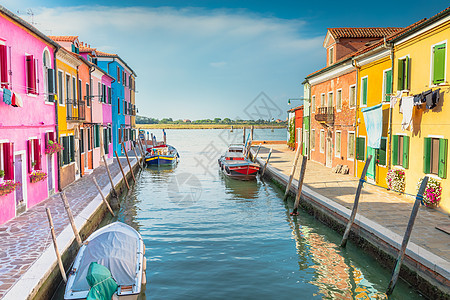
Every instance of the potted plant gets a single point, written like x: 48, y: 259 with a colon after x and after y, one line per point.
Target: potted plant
x: 395, y: 180
x: 53, y: 147
x: 7, y: 187
x: 432, y: 193
x: 2, y: 174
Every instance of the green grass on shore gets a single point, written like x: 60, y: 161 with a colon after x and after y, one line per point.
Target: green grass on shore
x: 203, y: 126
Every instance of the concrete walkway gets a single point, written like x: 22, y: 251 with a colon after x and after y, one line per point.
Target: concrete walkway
x: 24, y: 239
x: 387, y: 208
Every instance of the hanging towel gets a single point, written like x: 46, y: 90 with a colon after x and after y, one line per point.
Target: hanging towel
x: 17, y: 100
x: 7, y: 96
x: 395, y: 98
x: 434, y: 98
x: 418, y: 100
x: 373, y: 118
x: 406, y: 108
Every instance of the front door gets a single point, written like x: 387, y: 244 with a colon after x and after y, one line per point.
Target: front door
x: 50, y: 173
x: 329, y: 150
x: 372, y: 165
x: 18, y: 176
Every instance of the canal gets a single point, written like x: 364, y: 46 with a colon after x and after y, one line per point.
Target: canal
x: 210, y: 237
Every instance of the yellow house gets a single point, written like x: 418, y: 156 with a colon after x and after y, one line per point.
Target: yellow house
x: 374, y: 87
x: 68, y: 115
x: 420, y: 133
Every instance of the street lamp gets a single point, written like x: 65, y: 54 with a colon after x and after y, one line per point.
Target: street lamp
x: 296, y: 99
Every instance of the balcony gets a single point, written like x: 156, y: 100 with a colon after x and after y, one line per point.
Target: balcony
x: 76, y: 110
x: 325, y: 115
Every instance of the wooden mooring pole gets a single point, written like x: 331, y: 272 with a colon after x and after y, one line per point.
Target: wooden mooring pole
x: 251, y: 132
x: 110, y: 178
x: 121, y: 170
x: 355, y: 204
x: 71, y: 220
x: 129, y: 163
x: 55, y: 245
x: 103, y: 196
x: 256, y: 154
x: 137, y: 157
x: 300, y: 185
x: 401, y: 254
x: 243, y: 135
x: 294, y: 166
x: 267, y: 161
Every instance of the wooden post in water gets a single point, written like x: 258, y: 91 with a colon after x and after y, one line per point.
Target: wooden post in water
x: 137, y: 157
x: 121, y: 170
x: 243, y: 135
x: 103, y: 196
x: 355, y: 204
x: 412, y: 218
x: 251, y: 132
x: 231, y: 130
x: 300, y: 185
x: 267, y: 161
x: 153, y: 143
x: 129, y: 163
x: 110, y: 178
x: 165, y: 138
x: 71, y: 220
x: 294, y: 166
x: 55, y: 245
x: 256, y: 154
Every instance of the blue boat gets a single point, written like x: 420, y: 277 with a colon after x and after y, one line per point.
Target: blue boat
x: 161, y: 155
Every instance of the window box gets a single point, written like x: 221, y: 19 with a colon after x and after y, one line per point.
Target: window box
x: 395, y: 180
x: 37, y: 176
x: 432, y: 193
x: 8, y: 187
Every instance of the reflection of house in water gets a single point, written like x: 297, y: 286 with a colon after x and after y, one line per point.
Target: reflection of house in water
x: 334, y: 277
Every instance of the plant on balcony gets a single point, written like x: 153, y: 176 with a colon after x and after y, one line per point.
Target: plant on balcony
x: 53, y: 147
x: 8, y: 187
x: 395, y: 180
x: 37, y: 176
x: 291, y: 142
x: 432, y: 193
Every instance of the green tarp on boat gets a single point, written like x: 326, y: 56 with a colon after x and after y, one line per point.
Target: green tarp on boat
x: 103, y: 286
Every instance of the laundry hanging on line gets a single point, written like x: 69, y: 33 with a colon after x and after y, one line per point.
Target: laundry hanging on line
x: 373, y: 119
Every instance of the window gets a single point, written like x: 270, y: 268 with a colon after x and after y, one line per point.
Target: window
x: 89, y: 140
x: 109, y: 135
x: 99, y: 91
x: 60, y: 88
x: 387, y: 85
x: 103, y: 93
x: 109, y: 95
x: 331, y: 56
x: 118, y: 75
x: 4, y: 67
x: 313, y: 139
x: 74, y: 91
x: 337, y: 146
x: 313, y: 104
x: 339, y: 99
x: 322, y: 100
x: 105, y: 140
x: 352, y: 96
x: 400, y: 150
x: 322, y: 141
x: 82, y: 140
x: 31, y: 74
x: 49, y: 77
x: 403, y: 74
x: 96, y: 135
x: 34, y: 155
x: 381, y: 153
x: 351, y: 146
x: 7, y: 160
x: 435, y: 156
x: 438, y: 64
x: 118, y: 106
x: 79, y: 90
x: 68, y: 89
x: 68, y: 155
x: 364, y: 91
x: 330, y: 99
x: 88, y: 95
x: 360, y: 148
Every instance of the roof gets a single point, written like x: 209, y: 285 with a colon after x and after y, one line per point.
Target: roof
x: 362, y: 32
x: 63, y: 38
x: 101, y: 53
x: 105, y: 54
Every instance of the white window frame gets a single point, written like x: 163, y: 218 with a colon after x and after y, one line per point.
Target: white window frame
x: 332, y: 98
x: 355, y: 95
x: 348, y: 145
x: 432, y: 64
x: 331, y: 58
x: 313, y: 135
x: 361, y: 93
x: 61, y: 86
x: 320, y: 141
x: 383, y: 92
x: 409, y: 70
x: 313, y: 104
x: 45, y: 72
x: 335, y: 144
x: 323, y: 103
x: 337, y: 92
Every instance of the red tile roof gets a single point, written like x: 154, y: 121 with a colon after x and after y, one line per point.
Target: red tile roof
x: 63, y: 38
x: 86, y: 48
x: 362, y: 32
x: 100, y: 53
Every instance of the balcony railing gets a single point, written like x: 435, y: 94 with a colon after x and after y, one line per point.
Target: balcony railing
x: 76, y: 110
x: 325, y: 115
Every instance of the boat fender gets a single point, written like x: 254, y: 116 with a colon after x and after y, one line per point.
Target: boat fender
x: 144, y: 278
x: 144, y: 264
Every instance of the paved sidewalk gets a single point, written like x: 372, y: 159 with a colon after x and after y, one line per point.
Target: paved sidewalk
x: 24, y: 238
x: 387, y: 208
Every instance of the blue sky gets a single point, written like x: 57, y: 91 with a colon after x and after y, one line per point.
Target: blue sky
x: 207, y: 59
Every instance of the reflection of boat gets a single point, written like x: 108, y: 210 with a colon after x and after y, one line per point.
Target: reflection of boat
x: 240, y: 189
x: 161, y: 155
x: 120, y: 249
x: 236, y: 165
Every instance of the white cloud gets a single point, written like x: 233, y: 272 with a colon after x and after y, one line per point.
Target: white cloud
x: 218, y: 64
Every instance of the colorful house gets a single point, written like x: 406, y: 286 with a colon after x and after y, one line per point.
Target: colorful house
x: 421, y: 77
x: 296, y: 118
x: 27, y: 115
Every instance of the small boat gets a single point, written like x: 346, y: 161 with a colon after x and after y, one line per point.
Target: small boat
x: 120, y: 249
x: 235, y: 164
x: 161, y: 155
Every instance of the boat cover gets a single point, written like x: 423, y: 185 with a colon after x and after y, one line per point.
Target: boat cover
x: 116, y: 250
x: 102, y: 284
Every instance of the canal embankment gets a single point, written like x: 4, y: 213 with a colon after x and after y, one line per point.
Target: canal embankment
x: 380, y: 223
x: 28, y: 265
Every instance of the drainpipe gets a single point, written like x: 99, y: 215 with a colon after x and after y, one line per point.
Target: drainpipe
x: 91, y: 70
x: 355, y: 161
x: 58, y: 155
x: 391, y: 108
x: 114, y: 135
x: 79, y: 127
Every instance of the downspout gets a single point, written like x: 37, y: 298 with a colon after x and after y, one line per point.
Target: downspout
x: 355, y: 161
x: 391, y: 108
x: 113, y: 133
x: 91, y: 70
x: 79, y: 127
x: 58, y: 155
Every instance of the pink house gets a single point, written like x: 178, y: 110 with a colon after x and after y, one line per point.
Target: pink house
x: 27, y: 115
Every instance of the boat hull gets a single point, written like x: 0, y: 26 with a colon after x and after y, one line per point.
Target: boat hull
x: 240, y: 170
x: 158, y: 160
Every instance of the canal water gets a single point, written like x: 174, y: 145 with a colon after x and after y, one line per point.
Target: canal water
x: 210, y: 237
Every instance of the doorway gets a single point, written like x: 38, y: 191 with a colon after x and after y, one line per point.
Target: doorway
x: 20, y: 176
x: 50, y: 173
x: 329, y: 151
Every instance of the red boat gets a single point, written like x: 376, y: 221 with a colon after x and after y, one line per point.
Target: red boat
x: 235, y: 164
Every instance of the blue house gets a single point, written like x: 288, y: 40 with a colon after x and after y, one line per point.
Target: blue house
x: 123, y: 107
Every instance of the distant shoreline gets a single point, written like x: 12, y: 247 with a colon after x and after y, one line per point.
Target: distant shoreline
x: 206, y: 126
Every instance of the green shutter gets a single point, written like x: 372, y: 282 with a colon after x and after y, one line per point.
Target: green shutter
x: 72, y: 148
x: 394, y: 150
x: 443, y: 147
x: 388, y: 85
x: 427, y: 155
x: 360, y: 148
x: 382, y: 153
x: 407, y: 66
x: 405, y: 152
x: 65, y: 156
x: 364, y: 91
x: 439, y: 64
x: 97, y: 135
x: 400, y: 75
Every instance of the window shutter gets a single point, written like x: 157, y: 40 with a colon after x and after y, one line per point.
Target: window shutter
x: 30, y: 158
x: 382, y: 153
x: 395, y: 150
x: 406, y: 152
x: 443, y: 149
x: 72, y: 148
x: 120, y: 135
x: 439, y: 64
x: 97, y: 135
x: 3, y: 66
x: 73, y: 48
x: 388, y: 86
x: 400, y: 75
x: 406, y: 74
x: 360, y: 148
x: 82, y: 140
x: 8, y: 155
x: 51, y: 87
x: 427, y: 155
x: 31, y: 75
x: 364, y: 91
x: 65, y: 157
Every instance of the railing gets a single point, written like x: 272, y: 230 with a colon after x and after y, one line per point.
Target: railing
x: 325, y: 115
x: 76, y: 110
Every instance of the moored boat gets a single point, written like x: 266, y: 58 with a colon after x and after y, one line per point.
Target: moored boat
x: 120, y: 249
x: 235, y: 164
x: 161, y: 155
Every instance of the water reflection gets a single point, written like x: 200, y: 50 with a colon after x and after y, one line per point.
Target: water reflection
x: 238, y: 189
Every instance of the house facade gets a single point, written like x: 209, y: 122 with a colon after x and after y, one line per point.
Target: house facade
x: 27, y: 114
